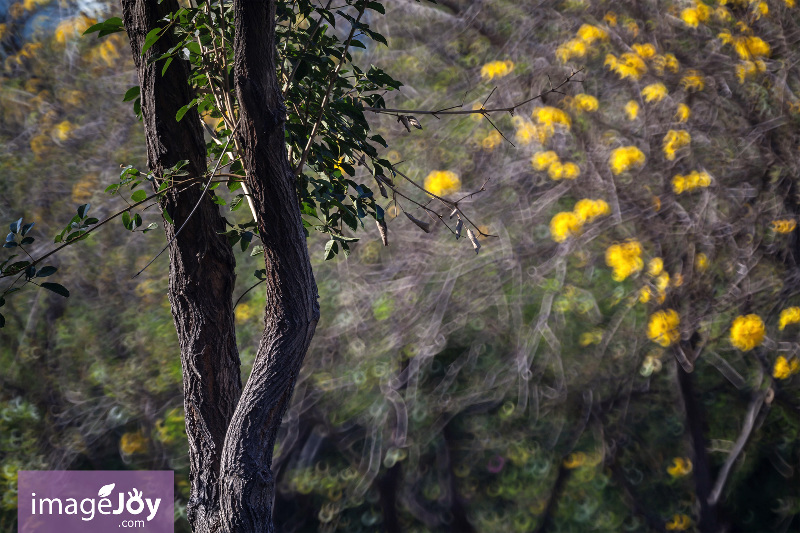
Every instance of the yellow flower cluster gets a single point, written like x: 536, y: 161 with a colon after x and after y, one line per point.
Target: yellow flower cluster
x: 747, y: 332
x: 681, y: 466
x: 492, y: 141
x: 627, y: 65
x: 574, y: 460
x: 679, y: 522
x: 585, y: 102
x: 577, y: 47
x: 625, y: 158
x: 550, y: 116
x: 442, y: 182
x: 748, y: 69
x: 783, y: 226
x: 665, y: 62
x: 789, y: 316
x: 655, y: 92
x: 632, y: 109
x: 131, y: 443
x: 693, y: 81
x: 690, y: 182
x: 693, y: 16
x: 496, y: 69
x: 655, y: 266
x: 566, y: 224
x: 555, y: 168
x: 71, y: 28
x: 747, y: 46
x: 645, y: 51
x: 683, y: 113
x: 527, y: 132
x: 701, y: 262
x: 663, y: 327
x: 62, y: 130
x: 611, y: 18
x: 674, y: 140
x: 594, y: 336
x: 784, y: 368
x: 625, y: 259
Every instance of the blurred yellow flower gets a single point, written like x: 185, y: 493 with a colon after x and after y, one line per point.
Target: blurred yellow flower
x: 526, y: 132
x: 683, y: 113
x: 550, y: 116
x: 662, y: 282
x: 591, y: 337
x: 611, y: 18
x: 589, y: 34
x: 663, y: 327
x: 679, y: 522
x: 570, y: 171
x: 625, y: 259
x: 492, y: 141
x: 574, y: 460
x: 644, y: 294
x: 789, y: 316
x: 645, y: 51
x: 543, y: 160
x: 496, y: 69
x: 655, y: 266
x: 625, y: 158
x: 655, y: 92
x: 627, y: 66
x: 665, y: 62
x: 442, y: 182
x: 783, y: 226
x: 244, y: 312
x: 131, y: 443
x: 693, y: 81
x: 570, y: 49
x: 585, y: 102
x: 62, y: 130
x: 747, y: 332
x: 784, y: 368
x: 674, y: 140
x: 701, y: 262
x: 632, y: 109
x: 71, y: 28
x: 690, y: 17
x: 587, y: 210
x: 681, y: 466
x: 555, y: 171
x: 690, y: 182
x: 564, y: 225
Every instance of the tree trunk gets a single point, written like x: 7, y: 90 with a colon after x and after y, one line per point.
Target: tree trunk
x: 292, y: 310
x: 202, y: 264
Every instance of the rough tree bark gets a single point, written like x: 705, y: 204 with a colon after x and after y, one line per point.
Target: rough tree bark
x: 231, y: 431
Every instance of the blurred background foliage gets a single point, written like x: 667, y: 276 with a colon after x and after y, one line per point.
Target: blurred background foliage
x: 627, y: 335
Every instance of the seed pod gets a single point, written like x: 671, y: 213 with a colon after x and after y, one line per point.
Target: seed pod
x: 404, y: 120
x: 453, y: 213
x: 382, y: 230
x: 459, y: 227
x: 414, y: 122
x: 474, y: 240
x: 424, y: 226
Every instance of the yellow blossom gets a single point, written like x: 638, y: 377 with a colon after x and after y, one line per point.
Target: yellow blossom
x: 587, y: 210
x: 655, y: 266
x: 677, y: 279
x: 679, y: 522
x: 701, y: 262
x: 70, y: 28
x: 785, y: 368
x: 665, y: 62
x: 761, y: 9
x: 625, y: 259
x: 783, y: 226
x: 681, y: 466
x: 570, y: 171
x: 690, y: 182
x: 683, y: 113
x: 496, y: 69
x: 543, y: 160
x: 526, y: 132
x: 645, y: 51
x: 611, y: 18
x: 574, y: 460
x: 632, y: 109
x: 549, y: 116
x: 555, y: 171
x: 644, y: 294
x: 131, y: 443
x: 627, y: 66
x: 492, y: 141
x: 693, y: 81
x: 663, y: 327
x: 789, y: 3
x: 675, y: 140
x: 655, y: 92
x: 747, y: 46
x: 244, y: 312
x: 625, y: 158
x: 790, y: 315
x: 62, y: 130
x: 564, y: 225
x: 747, y: 332
x: 585, y: 102
x: 589, y: 34
x: 632, y: 27
x: 442, y: 182
x: 662, y: 282
x: 591, y: 337
x: 570, y: 49
x: 690, y: 17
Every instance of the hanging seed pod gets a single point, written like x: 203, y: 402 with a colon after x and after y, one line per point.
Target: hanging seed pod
x: 414, y: 122
x: 459, y: 227
x: 382, y: 229
x: 453, y: 213
x: 404, y: 120
x: 424, y: 226
x: 474, y: 240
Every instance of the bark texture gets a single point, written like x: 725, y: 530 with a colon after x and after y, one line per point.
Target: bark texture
x: 292, y: 309
x: 201, y: 262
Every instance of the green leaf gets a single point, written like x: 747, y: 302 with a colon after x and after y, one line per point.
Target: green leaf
x: 167, y: 217
x: 139, y: 196
x: 27, y: 227
x: 150, y: 39
x: 56, y: 288
x: 126, y: 219
x: 137, y: 220
x: 257, y: 250
x: 46, y: 271
x: 182, y: 111
x: 83, y: 210
x: 15, y: 226
x: 131, y: 93
x: 26, y: 240
x: 167, y: 63
x: 331, y: 249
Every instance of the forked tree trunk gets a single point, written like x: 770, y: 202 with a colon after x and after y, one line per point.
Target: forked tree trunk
x: 231, y: 432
